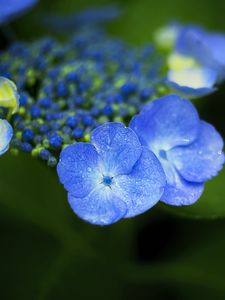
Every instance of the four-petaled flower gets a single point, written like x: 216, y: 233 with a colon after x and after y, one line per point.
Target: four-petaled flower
x: 189, y: 149
x: 112, y: 178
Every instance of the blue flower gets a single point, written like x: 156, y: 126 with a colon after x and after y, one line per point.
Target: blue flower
x: 112, y: 178
x: 10, y: 9
x: 189, y: 149
x: 6, y: 133
x: 196, y: 62
x: 207, y: 48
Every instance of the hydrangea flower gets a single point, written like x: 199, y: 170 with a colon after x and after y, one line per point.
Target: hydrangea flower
x: 112, y: 178
x: 10, y: 9
x: 6, y: 133
x: 9, y: 96
x: 189, y: 149
x: 197, y: 61
x: 68, y: 89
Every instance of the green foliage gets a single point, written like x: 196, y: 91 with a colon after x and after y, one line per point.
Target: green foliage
x: 48, y: 253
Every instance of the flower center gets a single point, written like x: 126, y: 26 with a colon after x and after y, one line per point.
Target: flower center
x: 162, y: 154
x: 107, y: 180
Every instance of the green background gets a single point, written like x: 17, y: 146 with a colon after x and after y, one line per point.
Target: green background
x: 46, y: 252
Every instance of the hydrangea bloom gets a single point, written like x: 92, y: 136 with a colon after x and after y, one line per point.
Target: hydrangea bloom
x: 68, y: 89
x: 9, y: 96
x: 197, y: 60
x: 6, y: 133
x: 189, y: 149
x: 112, y: 178
x: 10, y: 9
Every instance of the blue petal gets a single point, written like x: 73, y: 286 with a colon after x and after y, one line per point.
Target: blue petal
x: 166, y: 122
x: 78, y: 169
x: 207, y: 48
x: 118, y: 146
x: 201, y: 160
x: 10, y: 9
x: 6, y: 133
x: 186, y: 91
x: 182, y: 193
x: 100, y: 207
x: 178, y: 191
x: 144, y: 186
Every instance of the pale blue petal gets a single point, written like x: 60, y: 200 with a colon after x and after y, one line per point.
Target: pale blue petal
x: 193, y: 81
x: 182, y: 192
x: 177, y: 190
x: 78, y: 169
x: 202, y: 159
x: 6, y: 133
x: 192, y: 42
x: 207, y: 48
x: 100, y: 207
x: 118, y: 146
x: 144, y: 186
x: 189, y: 92
x: 166, y: 122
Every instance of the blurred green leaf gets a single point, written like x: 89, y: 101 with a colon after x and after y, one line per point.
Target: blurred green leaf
x: 30, y: 189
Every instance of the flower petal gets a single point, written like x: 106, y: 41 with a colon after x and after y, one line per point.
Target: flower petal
x: 207, y: 48
x: 166, y: 122
x: 100, y: 207
x: 202, y: 159
x: 6, y: 133
x: 194, y: 77
x: 178, y: 191
x: 118, y: 146
x: 143, y: 187
x: 186, y: 91
x: 9, y: 96
x: 182, y: 192
x: 78, y: 169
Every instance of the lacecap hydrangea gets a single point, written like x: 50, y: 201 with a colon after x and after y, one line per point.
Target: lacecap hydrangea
x: 68, y: 89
